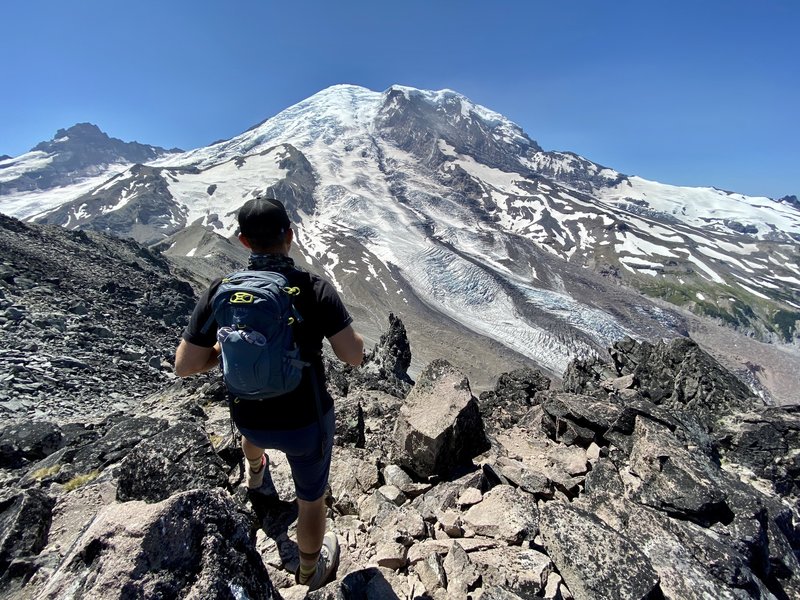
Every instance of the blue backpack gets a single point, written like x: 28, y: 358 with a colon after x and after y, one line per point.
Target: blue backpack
x: 255, y: 314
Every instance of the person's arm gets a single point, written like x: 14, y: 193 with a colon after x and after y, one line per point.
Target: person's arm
x: 348, y: 345
x: 191, y: 359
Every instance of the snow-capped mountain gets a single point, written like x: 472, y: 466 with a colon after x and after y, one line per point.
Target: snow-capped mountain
x: 74, y: 162
x: 425, y: 199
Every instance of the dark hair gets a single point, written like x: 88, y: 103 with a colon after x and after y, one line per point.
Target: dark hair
x: 264, y: 222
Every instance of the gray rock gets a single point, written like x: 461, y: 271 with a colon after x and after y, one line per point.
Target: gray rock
x: 28, y: 441
x: 431, y: 572
x: 462, y: 574
x: 521, y: 570
x: 670, y: 478
x: 526, y: 478
x: 115, y: 444
x: 351, y: 477
x: 512, y: 397
x: 196, y: 544
x: 178, y: 459
x: 766, y: 441
x: 595, y: 561
x: 25, y: 518
x: 679, y: 375
x: 496, y: 592
x: 444, y: 495
x: 439, y: 426
x: 505, y: 513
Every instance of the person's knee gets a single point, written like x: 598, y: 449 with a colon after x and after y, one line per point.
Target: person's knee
x: 309, y: 506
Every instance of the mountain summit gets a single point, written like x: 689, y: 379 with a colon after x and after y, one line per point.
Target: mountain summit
x: 425, y: 202
x: 74, y: 160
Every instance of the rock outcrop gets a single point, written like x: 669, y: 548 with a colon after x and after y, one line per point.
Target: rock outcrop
x: 439, y: 426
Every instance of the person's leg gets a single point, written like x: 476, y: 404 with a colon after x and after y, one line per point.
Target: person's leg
x: 310, y: 531
x: 256, y: 461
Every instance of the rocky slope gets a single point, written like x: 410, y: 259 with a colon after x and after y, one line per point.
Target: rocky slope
x: 652, y: 473
x: 655, y: 476
x: 121, y: 481
x: 87, y: 322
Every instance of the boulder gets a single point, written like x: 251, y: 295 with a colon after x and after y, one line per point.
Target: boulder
x: 667, y: 476
x: 176, y: 460
x: 504, y: 513
x: 462, y: 574
x: 512, y: 397
x: 115, y: 444
x: 195, y: 544
x: 25, y: 518
x: 596, y: 562
x: 28, y: 441
x: 439, y: 426
x: 521, y: 570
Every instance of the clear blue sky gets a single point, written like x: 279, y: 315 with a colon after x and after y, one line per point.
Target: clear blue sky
x: 700, y: 92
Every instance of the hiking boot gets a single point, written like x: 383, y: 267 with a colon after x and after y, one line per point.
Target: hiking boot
x: 326, y: 563
x: 256, y: 478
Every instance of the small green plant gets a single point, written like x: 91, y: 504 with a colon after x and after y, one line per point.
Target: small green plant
x: 216, y: 440
x: 40, y: 474
x: 80, y: 480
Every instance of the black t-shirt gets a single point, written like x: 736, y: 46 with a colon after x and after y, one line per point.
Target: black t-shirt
x: 323, y: 314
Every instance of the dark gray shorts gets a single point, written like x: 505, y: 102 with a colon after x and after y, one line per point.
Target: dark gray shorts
x: 310, y: 463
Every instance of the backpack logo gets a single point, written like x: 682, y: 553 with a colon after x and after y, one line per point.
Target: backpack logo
x: 255, y: 315
x: 242, y: 298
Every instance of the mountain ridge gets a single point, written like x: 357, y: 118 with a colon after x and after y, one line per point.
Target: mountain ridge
x: 461, y: 202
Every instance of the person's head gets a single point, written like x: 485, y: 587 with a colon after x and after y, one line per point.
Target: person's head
x: 264, y: 226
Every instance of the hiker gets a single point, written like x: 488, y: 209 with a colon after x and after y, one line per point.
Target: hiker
x: 299, y: 423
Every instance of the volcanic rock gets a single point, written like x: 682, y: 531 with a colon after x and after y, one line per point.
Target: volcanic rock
x: 439, y: 425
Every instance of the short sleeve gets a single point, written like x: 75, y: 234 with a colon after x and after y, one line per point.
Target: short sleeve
x: 193, y: 333
x: 333, y: 314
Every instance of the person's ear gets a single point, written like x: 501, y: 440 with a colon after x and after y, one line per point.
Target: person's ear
x: 245, y: 242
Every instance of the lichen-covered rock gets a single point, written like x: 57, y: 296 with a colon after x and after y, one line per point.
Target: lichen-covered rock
x: 176, y: 460
x: 522, y: 570
x: 670, y: 478
x: 680, y: 376
x: 766, y: 441
x: 25, y: 518
x: 439, y: 426
x: 512, y: 397
x: 28, y: 441
x: 596, y: 562
x: 196, y: 544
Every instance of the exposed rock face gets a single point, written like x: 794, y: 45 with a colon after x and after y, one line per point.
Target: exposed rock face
x: 196, y: 544
x: 595, y: 561
x: 677, y: 375
x: 439, y: 425
x: 178, y: 459
x: 25, y: 518
x: 82, y: 150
